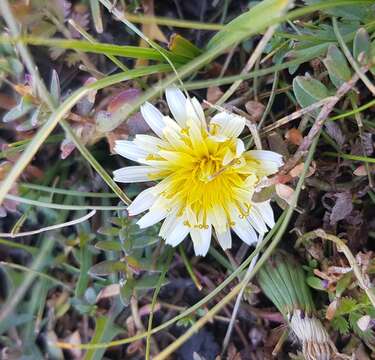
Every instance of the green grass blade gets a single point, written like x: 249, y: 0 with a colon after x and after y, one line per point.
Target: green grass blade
x: 96, y: 15
x: 128, y: 51
x: 351, y: 157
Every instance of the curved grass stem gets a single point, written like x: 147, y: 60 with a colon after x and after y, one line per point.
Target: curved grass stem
x: 364, y: 283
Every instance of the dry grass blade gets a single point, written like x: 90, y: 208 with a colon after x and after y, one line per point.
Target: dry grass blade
x: 297, y: 114
x: 49, y: 228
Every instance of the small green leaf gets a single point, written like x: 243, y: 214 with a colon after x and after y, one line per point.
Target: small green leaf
x: 109, y: 230
x: 306, y: 52
x: 182, y: 46
x: 126, y: 291
x: 108, y: 245
x: 308, y: 90
x: 340, y: 324
x: 21, y: 109
x: 315, y: 283
x: 337, y: 66
x: 361, y: 43
x: 186, y: 321
x: 55, y: 87
x: 116, y: 221
x: 346, y: 306
x: 343, y: 283
x: 149, y: 282
x: 347, y: 12
x: 107, y: 267
x: 144, y: 241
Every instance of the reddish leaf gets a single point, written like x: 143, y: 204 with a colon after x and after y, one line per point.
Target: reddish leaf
x: 294, y: 136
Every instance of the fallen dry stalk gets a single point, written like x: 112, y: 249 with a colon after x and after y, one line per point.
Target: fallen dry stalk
x: 319, y: 122
x: 297, y: 114
x: 363, y: 281
x: 49, y: 228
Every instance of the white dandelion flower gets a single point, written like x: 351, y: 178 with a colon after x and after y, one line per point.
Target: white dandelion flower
x: 207, y: 179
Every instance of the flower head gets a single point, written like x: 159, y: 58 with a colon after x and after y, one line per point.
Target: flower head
x: 206, y: 179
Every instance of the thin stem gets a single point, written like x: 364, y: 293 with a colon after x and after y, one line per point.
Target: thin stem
x: 153, y: 302
x: 189, y: 268
x: 238, y: 300
x: 350, y: 157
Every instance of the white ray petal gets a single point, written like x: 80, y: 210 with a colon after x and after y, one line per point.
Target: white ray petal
x: 133, y: 174
x: 224, y: 238
x: 218, y: 218
x: 151, y: 144
x: 153, y: 117
x: 168, y: 224
x: 144, y: 200
x: 174, y: 138
x: 201, y: 240
x: 266, y: 212
x: 228, y: 125
x: 195, y: 112
x: 177, y: 232
x: 240, y: 147
x: 130, y: 150
x: 267, y: 155
x: 177, y: 104
x: 218, y: 138
x: 270, y: 161
x: 155, y: 215
x: 245, y: 232
x: 242, y: 227
x: 256, y: 221
x: 228, y: 157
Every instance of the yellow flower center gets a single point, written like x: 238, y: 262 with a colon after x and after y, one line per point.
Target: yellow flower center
x: 205, y: 175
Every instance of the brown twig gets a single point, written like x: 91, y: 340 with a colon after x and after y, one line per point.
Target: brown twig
x: 297, y: 114
x: 319, y: 122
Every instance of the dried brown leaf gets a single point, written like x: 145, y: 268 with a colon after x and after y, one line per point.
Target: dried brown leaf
x: 331, y: 310
x: 335, y: 132
x: 255, y: 110
x: 214, y: 93
x: 285, y: 192
x: 342, y: 207
x: 294, y: 136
